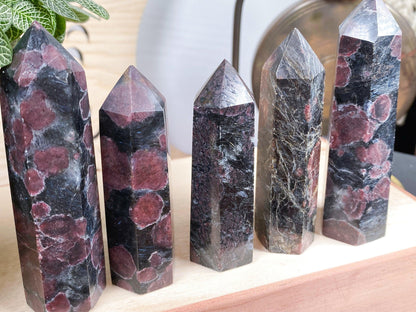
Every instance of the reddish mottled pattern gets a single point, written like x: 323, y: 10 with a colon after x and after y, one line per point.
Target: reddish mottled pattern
x: 350, y: 124
x: 40, y: 99
x: 79, y: 74
x: 115, y: 164
x: 40, y: 210
x: 85, y: 106
x: 342, y: 231
x: 146, y: 275
x: 396, y: 47
x: 162, y: 232
x: 135, y: 178
x: 59, y: 304
x: 52, y: 161
x: 27, y: 67
x: 53, y: 58
x: 122, y: 262
x: 362, y: 125
x: 150, y: 171
x: 34, y: 182
x: 147, y: 210
x: 381, y: 107
x: 35, y: 112
x: 343, y: 73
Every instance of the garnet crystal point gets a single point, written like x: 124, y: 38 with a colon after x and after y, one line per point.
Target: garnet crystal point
x: 135, y: 173
x: 222, y: 172
x: 52, y: 172
x: 288, y: 152
x: 362, y: 125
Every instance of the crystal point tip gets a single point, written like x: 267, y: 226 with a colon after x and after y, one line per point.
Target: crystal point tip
x: 225, y: 88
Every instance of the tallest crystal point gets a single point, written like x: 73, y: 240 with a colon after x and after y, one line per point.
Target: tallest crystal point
x: 370, y: 20
x: 52, y: 174
x: 363, y: 122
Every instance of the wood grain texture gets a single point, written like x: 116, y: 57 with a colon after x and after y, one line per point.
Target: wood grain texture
x: 378, y: 284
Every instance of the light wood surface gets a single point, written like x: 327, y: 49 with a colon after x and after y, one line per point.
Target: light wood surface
x: 329, y: 276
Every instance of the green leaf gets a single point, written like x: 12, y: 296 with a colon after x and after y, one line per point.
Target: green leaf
x: 62, y: 8
x: 93, y: 7
x: 5, y: 16
x: 60, y: 28
x: 25, y: 12
x: 6, y: 51
x: 13, y: 33
x: 83, y: 16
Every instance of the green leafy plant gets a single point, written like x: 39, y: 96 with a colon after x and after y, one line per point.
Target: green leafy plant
x: 17, y: 15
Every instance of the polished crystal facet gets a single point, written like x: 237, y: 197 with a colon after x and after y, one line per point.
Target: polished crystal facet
x: 288, y: 153
x: 52, y: 174
x: 136, y: 189
x: 222, y: 172
x: 363, y: 125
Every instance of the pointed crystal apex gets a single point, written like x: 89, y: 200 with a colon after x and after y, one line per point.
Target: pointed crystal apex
x: 295, y: 59
x: 224, y: 89
x: 133, y: 93
x: 370, y: 20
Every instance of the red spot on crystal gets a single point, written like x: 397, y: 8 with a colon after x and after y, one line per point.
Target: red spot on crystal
x: 84, y: 104
x: 376, y: 154
x: 377, y: 172
x: 348, y: 46
x: 350, y: 124
x: 63, y: 226
x: 164, y: 280
x: 343, y: 231
x: 396, y: 47
x: 146, y: 275
x: 147, y: 210
x: 35, y: 112
x: 162, y: 141
x: 22, y: 133
x: 79, y: 74
x: 381, y: 107
x: 343, y: 75
x: 125, y: 285
x: 149, y: 171
x: 78, y: 253
x: 59, y: 304
x: 54, y: 58
x: 27, y: 65
x: 354, y: 202
x: 50, y: 287
x: 34, y: 182
x: 162, y: 232
x: 88, y: 137
x: 40, y: 210
x: 17, y: 158
x: 97, y: 256
x: 381, y: 190
x: 116, y: 165
x: 122, y: 262
x: 155, y: 259
x: 92, y: 195
x: 52, y: 161
x: 307, y: 112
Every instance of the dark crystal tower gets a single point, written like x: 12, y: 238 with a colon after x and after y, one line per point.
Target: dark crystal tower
x: 136, y: 189
x: 363, y: 125
x: 52, y: 174
x: 222, y: 172
x: 291, y: 100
